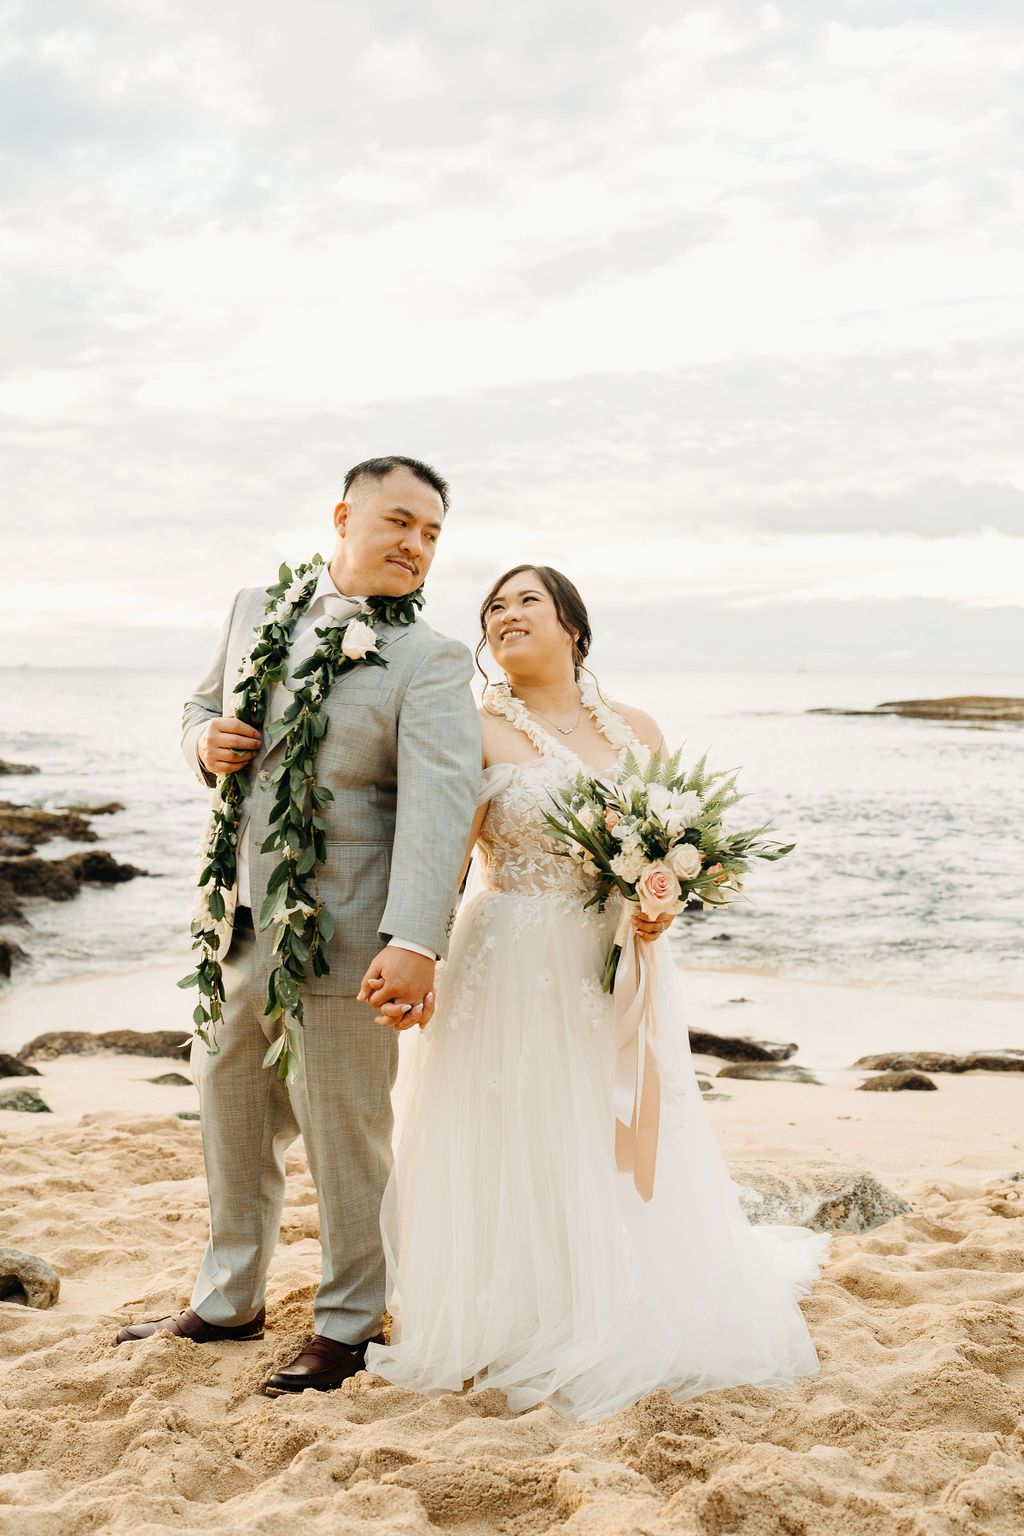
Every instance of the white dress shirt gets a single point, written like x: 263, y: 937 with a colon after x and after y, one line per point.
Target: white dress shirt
x: 313, y: 615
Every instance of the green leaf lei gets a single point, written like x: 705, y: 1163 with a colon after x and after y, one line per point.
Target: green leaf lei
x: 298, y: 824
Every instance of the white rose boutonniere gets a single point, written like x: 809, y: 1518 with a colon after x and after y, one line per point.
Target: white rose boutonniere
x: 359, y: 639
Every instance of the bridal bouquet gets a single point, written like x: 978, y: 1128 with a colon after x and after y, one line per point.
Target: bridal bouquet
x: 657, y: 836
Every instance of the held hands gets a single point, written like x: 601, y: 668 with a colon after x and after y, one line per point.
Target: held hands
x: 228, y: 744
x: 400, y: 984
x: 648, y: 928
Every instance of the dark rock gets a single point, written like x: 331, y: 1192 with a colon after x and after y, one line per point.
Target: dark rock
x: 717, y: 1098
x: 24, y: 827
x: 995, y: 1061
x: 26, y: 1277
x: 969, y: 708
x: 721, y: 938
x: 56, y: 879
x: 9, y: 952
x: 739, y: 1047
x: 824, y: 1197
x: 108, y: 808
x: 910, y: 1061
x: 894, y: 1082
x: 188, y: 1114
x: 171, y: 1080
x: 16, y: 768
x: 101, y: 868
x: 702, y: 1083
x: 50, y: 878
x: 10, y: 1066
x: 1002, y: 1060
x: 111, y: 1042
x: 769, y: 1071
x: 25, y: 1099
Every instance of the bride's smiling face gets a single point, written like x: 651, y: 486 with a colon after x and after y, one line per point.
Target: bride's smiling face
x: 522, y: 625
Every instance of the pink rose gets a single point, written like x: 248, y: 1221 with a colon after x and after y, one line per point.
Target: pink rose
x: 611, y: 819
x: 658, y: 890
x: 718, y: 872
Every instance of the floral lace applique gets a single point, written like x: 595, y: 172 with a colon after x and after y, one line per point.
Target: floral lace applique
x: 596, y: 1005
x: 521, y: 859
x: 461, y: 998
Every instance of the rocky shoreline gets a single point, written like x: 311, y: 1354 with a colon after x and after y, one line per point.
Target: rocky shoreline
x: 747, y: 1059
x: 962, y: 709
x: 23, y: 876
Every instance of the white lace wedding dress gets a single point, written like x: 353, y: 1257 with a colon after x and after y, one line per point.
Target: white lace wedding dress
x: 518, y: 1256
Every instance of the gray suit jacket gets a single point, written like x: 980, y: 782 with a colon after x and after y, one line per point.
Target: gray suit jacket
x: 402, y: 759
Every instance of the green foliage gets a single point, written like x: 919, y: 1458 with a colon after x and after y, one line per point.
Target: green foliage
x: 302, y: 925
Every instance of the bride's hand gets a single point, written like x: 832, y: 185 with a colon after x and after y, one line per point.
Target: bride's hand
x: 649, y: 928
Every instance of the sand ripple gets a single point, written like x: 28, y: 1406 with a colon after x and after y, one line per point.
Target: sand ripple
x: 913, y: 1427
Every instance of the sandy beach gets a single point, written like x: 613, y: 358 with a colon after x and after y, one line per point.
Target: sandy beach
x: 912, y: 1426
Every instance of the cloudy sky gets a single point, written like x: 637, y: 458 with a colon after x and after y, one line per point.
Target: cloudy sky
x: 717, y: 308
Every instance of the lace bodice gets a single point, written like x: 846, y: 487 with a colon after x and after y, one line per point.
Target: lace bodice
x: 520, y: 857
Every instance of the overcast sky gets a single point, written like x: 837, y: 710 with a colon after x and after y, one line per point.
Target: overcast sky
x: 717, y: 309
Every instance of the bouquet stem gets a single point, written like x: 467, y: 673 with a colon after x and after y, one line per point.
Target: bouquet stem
x: 611, y: 965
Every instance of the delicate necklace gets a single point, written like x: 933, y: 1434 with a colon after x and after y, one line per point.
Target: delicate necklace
x: 563, y: 730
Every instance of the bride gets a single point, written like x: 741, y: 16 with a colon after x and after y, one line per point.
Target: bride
x: 518, y: 1256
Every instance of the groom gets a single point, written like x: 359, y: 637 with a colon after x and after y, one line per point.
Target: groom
x: 402, y: 760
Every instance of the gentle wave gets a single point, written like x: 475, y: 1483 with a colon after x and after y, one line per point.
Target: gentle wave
x: 907, y: 870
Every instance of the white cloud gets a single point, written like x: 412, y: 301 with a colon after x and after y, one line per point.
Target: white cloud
x: 744, y: 281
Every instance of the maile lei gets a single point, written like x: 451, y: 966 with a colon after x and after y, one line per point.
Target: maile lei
x: 298, y: 824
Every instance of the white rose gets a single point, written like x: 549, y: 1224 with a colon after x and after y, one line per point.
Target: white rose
x: 629, y: 866
x: 659, y: 799
x: 687, y: 805
x: 641, y: 753
x: 684, y: 861
x: 359, y: 639
x: 585, y: 817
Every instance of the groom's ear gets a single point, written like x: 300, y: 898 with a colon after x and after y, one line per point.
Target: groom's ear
x: 341, y: 512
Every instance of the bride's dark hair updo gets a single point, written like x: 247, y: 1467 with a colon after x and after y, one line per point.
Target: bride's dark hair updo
x: 569, y: 606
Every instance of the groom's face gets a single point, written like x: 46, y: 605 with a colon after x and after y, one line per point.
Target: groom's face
x: 387, y: 535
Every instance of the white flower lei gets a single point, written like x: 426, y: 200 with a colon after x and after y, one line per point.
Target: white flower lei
x: 500, y: 699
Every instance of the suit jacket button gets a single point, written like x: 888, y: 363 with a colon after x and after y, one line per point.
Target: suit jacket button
x: 263, y: 775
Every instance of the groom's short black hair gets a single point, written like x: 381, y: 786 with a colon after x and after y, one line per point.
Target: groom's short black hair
x: 376, y: 469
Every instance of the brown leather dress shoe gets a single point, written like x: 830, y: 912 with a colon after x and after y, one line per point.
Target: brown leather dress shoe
x: 189, y: 1325
x: 323, y: 1365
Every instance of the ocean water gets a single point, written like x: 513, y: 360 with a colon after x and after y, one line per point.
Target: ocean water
x: 908, y: 870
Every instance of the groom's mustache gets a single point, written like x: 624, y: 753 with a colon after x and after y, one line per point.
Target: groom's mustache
x: 411, y: 566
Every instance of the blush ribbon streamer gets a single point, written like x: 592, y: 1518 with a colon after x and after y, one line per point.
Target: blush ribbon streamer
x: 636, y: 1095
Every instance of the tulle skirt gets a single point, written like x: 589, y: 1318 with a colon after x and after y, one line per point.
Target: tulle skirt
x: 519, y: 1257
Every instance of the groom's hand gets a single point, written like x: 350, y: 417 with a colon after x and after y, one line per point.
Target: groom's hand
x: 228, y: 744
x: 399, y: 983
